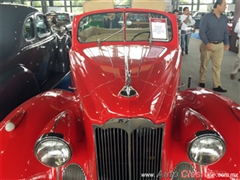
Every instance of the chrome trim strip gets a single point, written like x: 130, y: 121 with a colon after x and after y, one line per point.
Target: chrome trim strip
x: 127, y: 90
x: 129, y: 124
x: 57, y: 173
x: 38, y: 44
x: 57, y: 121
x: 201, y: 172
x: 199, y: 116
x: 127, y: 69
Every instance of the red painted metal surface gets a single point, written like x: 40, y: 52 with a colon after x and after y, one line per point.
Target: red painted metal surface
x: 98, y: 75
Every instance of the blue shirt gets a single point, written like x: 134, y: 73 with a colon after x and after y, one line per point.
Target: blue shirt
x: 213, y: 28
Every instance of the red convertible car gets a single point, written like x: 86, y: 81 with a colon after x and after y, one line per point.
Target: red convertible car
x: 126, y: 118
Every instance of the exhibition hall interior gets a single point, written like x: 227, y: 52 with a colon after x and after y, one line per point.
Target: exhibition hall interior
x: 119, y: 89
x: 191, y: 63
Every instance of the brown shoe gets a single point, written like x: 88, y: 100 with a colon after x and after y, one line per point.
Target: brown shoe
x: 239, y: 80
x: 232, y: 76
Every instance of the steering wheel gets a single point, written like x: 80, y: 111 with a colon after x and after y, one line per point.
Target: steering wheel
x: 138, y: 34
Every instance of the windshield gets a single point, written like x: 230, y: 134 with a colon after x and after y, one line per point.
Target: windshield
x: 63, y: 17
x: 109, y: 27
x: 60, y: 17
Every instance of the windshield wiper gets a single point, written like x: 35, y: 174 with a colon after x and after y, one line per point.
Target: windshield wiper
x: 106, y: 38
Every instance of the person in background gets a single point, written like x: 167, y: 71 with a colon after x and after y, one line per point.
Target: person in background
x: 186, y: 28
x: 111, y: 21
x: 229, y: 30
x: 236, y: 66
x: 180, y: 12
x: 213, y: 32
x: 176, y: 13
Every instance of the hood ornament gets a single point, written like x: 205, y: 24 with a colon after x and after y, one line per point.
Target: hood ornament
x: 127, y: 91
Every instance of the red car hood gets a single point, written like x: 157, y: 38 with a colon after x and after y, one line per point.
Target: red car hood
x: 99, y: 73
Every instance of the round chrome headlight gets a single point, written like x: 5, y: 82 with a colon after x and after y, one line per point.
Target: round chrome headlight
x: 207, y: 148
x: 52, y: 150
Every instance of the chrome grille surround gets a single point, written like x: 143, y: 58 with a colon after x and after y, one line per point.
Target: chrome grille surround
x: 184, y: 171
x: 73, y: 172
x: 128, y: 149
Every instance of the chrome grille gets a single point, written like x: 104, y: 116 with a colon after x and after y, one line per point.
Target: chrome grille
x: 128, y: 149
x: 184, y: 171
x: 112, y: 152
x: 146, y: 152
x: 73, y: 172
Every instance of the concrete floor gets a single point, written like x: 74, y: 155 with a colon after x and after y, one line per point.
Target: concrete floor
x: 191, y: 64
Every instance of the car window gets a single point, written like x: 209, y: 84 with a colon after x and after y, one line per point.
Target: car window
x: 63, y: 17
x: 108, y: 27
x: 42, y: 28
x: 28, y: 29
x: 199, y: 14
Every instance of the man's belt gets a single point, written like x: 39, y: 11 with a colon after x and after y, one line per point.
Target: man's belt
x: 215, y: 42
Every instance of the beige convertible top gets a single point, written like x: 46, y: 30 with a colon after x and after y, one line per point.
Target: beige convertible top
x: 149, y: 4
x: 108, y: 4
x: 97, y: 5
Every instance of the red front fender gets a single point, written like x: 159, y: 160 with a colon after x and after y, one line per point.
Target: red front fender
x: 17, y: 146
x: 217, y: 111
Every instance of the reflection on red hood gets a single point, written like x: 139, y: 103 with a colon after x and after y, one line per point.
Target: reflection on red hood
x: 102, y: 71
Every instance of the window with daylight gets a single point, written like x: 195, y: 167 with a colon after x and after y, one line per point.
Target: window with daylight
x: 185, y: 1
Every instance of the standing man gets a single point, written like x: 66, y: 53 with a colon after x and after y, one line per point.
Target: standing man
x: 213, y: 32
x: 186, y: 28
x: 237, y: 62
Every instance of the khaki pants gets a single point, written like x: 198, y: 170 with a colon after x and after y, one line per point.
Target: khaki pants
x: 237, y: 62
x: 216, y: 56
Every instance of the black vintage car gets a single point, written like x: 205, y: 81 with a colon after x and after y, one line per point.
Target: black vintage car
x: 29, y: 53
